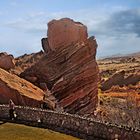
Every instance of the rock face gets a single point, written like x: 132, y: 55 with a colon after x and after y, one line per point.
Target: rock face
x: 6, y: 61
x: 120, y: 80
x: 25, y: 61
x: 69, y: 68
x: 63, y: 32
x: 19, y: 90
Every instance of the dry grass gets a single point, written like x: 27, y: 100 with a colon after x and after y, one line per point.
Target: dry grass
x: 120, y: 108
x: 9, y: 131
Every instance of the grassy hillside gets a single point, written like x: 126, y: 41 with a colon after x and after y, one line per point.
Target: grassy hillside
x: 9, y: 131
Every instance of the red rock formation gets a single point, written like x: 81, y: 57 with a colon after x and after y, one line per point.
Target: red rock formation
x: 69, y: 68
x: 116, y: 79
x: 63, y: 32
x: 6, y: 61
x: 19, y: 90
x: 132, y: 79
x: 26, y: 61
x: 119, y: 79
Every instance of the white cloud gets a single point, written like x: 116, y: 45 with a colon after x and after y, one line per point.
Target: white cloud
x: 100, y: 22
x: 38, y: 20
x: 112, y: 45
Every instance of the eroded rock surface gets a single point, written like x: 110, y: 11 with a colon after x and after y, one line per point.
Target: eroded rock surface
x: 63, y: 32
x: 26, y: 61
x: 19, y: 90
x: 6, y: 61
x: 120, y: 79
x: 69, y: 67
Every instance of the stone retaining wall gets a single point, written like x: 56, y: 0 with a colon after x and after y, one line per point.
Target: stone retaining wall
x: 75, y: 125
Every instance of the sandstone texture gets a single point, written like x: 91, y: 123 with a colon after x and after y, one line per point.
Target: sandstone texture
x: 119, y: 79
x: 19, y: 90
x: 6, y: 61
x: 26, y: 61
x: 63, y: 32
x: 69, y: 67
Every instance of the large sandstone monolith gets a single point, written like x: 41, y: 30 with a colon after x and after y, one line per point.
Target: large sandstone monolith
x: 6, y: 61
x: 69, y: 68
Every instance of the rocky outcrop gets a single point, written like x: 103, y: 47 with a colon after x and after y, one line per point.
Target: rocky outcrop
x: 132, y: 79
x: 20, y: 91
x: 116, y: 79
x: 26, y: 61
x: 119, y: 79
x: 69, y: 68
x: 6, y: 61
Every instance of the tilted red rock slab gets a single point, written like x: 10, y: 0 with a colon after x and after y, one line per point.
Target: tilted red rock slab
x: 71, y: 71
x: 19, y: 90
x: 120, y: 80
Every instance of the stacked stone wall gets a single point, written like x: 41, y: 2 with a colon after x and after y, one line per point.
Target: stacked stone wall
x: 86, y: 128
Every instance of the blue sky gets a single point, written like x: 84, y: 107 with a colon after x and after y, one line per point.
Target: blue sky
x: 115, y: 23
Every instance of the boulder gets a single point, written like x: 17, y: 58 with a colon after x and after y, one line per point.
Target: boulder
x: 6, y: 61
x: 69, y: 67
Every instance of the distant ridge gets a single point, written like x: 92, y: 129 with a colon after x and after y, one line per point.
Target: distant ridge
x: 120, y: 55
